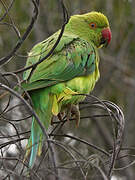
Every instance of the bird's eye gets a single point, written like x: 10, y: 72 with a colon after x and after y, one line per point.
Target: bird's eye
x: 92, y: 25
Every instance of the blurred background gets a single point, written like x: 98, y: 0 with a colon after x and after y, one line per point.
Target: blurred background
x: 116, y: 84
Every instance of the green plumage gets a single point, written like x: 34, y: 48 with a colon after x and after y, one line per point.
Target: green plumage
x: 71, y: 69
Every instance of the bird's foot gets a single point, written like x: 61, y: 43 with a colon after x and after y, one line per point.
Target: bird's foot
x: 73, y: 111
x: 76, y: 114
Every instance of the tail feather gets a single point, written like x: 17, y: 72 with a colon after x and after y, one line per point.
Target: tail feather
x: 35, y: 143
x: 43, y: 106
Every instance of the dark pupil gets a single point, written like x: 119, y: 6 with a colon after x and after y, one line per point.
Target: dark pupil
x: 92, y: 25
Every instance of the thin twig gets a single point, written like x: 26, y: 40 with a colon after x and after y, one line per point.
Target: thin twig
x: 4, y: 60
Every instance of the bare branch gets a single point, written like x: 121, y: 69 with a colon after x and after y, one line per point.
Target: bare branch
x: 4, y: 60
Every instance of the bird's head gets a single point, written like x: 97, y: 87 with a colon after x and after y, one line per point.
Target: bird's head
x: 93, y: 27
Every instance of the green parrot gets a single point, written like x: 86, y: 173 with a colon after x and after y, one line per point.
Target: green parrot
x: 70, y: 70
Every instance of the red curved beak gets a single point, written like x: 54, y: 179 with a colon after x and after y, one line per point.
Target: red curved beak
x: 106, y: 35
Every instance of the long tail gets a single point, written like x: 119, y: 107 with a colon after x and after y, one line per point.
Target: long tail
x: 35, y: 136
x: 43, y: 106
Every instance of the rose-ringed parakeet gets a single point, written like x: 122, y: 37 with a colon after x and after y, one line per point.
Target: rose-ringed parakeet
x: 71, y: 69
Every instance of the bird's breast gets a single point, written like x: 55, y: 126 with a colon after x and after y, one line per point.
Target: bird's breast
x: 83, y: 84
x: 67, y: 92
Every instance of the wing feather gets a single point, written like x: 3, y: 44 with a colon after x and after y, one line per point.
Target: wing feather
x: 72, y: 57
